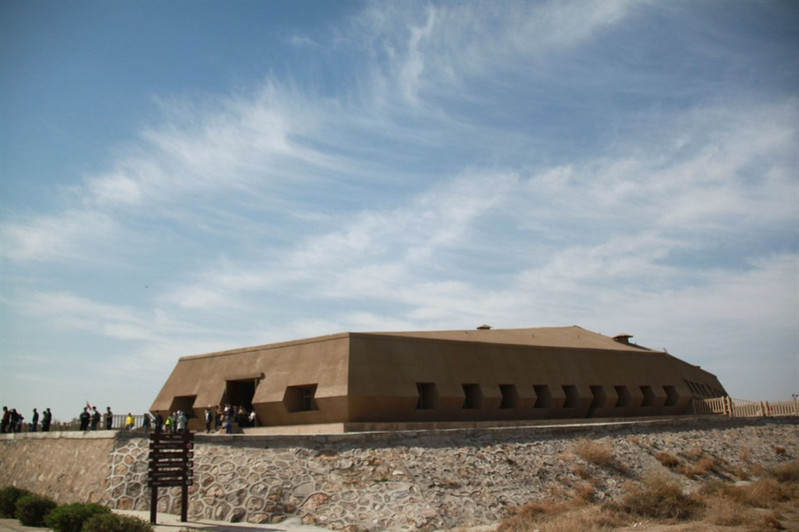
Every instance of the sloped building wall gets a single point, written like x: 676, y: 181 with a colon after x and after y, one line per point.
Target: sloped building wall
x: 479, y: 381
x: 451, y: 376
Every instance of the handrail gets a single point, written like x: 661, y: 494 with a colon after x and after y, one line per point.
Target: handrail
x: 732, y: 407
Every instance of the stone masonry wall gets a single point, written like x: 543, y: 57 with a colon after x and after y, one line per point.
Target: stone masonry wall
x: 398, y: 481
x: 66, y: 466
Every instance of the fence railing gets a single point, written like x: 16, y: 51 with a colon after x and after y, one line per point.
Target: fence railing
x: 728, y: 406
x: 117, y: 423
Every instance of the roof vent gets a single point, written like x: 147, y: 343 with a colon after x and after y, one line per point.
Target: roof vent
x: 623, y: 338
x: 484, y: 327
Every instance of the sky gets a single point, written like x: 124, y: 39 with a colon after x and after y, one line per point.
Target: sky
x: 179, y: 178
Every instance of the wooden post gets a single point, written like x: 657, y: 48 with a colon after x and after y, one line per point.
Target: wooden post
x: 153, y: 504
x: 171, y: 465
x: 184, y: 503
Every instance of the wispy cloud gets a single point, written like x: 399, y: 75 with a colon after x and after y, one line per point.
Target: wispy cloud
x: 519, y: 164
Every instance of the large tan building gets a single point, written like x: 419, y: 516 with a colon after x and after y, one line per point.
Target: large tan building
x: 352, y: 379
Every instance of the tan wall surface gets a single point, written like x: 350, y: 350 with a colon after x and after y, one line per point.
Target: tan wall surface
x: 373, y: 377
x: 65, y: 466
x: 321, y: 362
x: 385, y: 370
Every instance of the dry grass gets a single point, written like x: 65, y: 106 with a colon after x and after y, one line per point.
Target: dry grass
x: 551, y: 516
x: 755, y: 506
x: 668, y: 460
x: 726, y: 512
x: 659, y: 496
x: 788, y: 472
x: 593, y: 452
x: 581, y: 471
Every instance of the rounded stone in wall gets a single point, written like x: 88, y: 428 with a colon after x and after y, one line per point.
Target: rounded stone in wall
x: 134, y: 489
x: 258, y: 518
x: 125, y: 503
x: 237, y: 515
x: 276, y: 493
x: 253, y: 504
x: 221, y: 511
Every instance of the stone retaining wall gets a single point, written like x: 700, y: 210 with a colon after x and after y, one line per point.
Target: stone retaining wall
x: 66, y: 466
x: 382, y: 481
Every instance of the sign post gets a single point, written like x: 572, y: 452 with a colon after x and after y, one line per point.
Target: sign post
x: 171, y: 464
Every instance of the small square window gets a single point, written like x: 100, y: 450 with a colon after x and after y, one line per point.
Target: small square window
x: 543, y: 397
x: 473, y: 396
x: 300, y: 398
x: 510, y: 396
x: 428, y: 395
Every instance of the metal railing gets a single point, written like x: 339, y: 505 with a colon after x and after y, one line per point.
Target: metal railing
x: 728, y: 406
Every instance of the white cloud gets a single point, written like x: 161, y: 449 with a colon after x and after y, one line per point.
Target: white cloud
x: 478, y: 169
x: 70, y: 235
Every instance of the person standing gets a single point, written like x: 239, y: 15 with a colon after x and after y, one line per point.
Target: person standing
x: 229, y: 422
x: 6, y: 419
x: 16, y: 419
x: 208, y: 417
x: 95, y: 418
x: 159, y: 423
x: 34, y: 421
x: 129, y: 422
x: 84, y: 419
x: 47, y: 418
x: 180, y: 422
x: 109, y: 418
x: 145, y: 424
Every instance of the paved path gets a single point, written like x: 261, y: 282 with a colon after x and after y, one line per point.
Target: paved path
x: 171, y: 523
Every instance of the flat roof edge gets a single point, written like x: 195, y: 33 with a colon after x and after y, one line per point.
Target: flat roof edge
x: 263, y: 347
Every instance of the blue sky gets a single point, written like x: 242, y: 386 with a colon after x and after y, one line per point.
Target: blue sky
x: 184, y: 177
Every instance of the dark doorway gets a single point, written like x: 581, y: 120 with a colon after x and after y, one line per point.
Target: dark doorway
x: 240, y: 393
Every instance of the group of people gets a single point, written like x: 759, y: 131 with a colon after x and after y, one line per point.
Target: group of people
x: 175, y: 423
x: 219, y: 417
x: 14, y: 421
x: 91, y: 419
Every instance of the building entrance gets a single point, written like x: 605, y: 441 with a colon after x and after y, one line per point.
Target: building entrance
x: 240, y: 393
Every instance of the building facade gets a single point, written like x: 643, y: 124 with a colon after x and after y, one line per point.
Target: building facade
x: 480, y: 375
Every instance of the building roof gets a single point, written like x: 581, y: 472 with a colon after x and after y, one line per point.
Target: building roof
x: 566, y: 337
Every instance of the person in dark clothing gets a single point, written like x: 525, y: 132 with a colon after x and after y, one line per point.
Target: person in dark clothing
x: 47, y: 418
x: 95, y: 418
x: 109, y: 418
x: 15, y: 421
x: 159, y: 423
x: 6, y: 419
x: 34, y: 421
x: 84, y: 419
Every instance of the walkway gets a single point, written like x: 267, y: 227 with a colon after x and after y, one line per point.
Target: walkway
x: 171, y: 523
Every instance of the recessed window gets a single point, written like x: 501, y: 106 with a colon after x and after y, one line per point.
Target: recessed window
x: 510, y: 396
x: 649, y: 396
x: 472, y: 396
x: 624, y: 396
x: 184, y: 403
x: 671, y: 395
x: 428, y: 395
x: 543, y: 398
x: 598, y: 394
x: 300, y: 398
x: 572, y: 397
